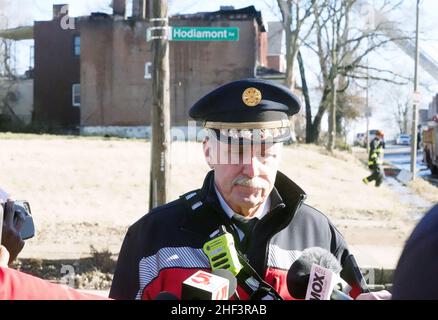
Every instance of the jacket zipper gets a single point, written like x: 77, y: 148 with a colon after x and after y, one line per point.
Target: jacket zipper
x: 265, y: 262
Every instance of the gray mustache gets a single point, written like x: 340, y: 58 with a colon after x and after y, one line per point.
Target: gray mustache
x: 255, y: 182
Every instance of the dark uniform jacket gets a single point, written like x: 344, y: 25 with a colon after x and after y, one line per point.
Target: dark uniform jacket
x: 164, y: 247
x: 375, y: 157
x: 415, y: 277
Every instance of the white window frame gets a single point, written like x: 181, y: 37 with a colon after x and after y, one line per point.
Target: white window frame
x: 75, y: 94
x: 147, y: 70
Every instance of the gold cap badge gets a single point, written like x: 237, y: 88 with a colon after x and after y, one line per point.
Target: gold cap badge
x: 252, y: 97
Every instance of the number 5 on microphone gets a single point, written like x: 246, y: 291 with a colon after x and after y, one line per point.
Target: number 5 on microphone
x: 201, y: 278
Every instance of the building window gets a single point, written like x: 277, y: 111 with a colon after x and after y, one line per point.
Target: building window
x: 77, y: 46
x: 76, y: 95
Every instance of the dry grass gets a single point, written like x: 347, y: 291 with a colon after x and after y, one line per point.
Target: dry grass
x: 334, y: 184
x: 87, y: 191
x: 425, y: 189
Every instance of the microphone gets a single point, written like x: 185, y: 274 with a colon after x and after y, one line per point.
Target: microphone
x: 205, y: 286
x: 232, y: 281
x: 314, y: 276
x: 164, y: 295
x: 352, y: 274
x: 222, y: 254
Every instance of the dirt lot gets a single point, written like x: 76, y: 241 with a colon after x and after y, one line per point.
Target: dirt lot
x: 86, y: 191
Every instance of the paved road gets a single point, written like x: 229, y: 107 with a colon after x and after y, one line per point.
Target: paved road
x: 387, y: 256
x: 400, y: 156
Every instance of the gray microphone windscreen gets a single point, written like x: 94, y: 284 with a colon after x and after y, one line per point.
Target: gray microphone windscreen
x: 321, y: 257
x: 298, y: 274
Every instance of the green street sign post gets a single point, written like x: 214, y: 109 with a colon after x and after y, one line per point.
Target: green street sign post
x: 204, y: 34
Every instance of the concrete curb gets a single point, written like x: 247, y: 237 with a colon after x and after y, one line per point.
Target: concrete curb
x: 382, y: 278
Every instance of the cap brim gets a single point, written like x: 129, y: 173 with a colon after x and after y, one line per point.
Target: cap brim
x: 253, y: 136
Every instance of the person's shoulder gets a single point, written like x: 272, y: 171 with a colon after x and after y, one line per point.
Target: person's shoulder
x: 161, y: 216
x: 289, y: 191
x: 427, y: 227
x: 415, y: 275
x: 315, y: 217
x: 312, y: 213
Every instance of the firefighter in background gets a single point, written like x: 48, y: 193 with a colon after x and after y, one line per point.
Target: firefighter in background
x: 375, y: 160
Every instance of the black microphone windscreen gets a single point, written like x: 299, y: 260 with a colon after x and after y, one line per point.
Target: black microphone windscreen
x: 231, y: 278
x: 298, y: 278
x: 166, y: 296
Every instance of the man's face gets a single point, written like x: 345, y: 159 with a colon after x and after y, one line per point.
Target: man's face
x: 244, y: 174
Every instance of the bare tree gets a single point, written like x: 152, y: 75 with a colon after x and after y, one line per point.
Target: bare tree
x: 341, y: 50
x: 350, y: 107
x: 402, y: 106
x: 294, y: 14
x: 331, y: 31
x: 7, y: 73
x: 7, y: 81
x: 6, y: 59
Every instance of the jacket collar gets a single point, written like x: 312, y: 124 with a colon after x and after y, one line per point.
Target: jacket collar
x: 209, y: 215
x: 286, y: 195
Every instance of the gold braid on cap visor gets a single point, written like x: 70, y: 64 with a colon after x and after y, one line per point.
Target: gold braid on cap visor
x: 250, y: 130
x: 248, y: 125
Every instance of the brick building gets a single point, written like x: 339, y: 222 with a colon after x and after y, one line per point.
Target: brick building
x: 57, y: 72
x: 95, y: 76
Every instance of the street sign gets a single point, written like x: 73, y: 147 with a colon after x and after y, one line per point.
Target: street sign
x: 416, y: 98
x: 204, y: 34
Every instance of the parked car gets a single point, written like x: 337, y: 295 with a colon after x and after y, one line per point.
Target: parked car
x: 372, y: 134
x: 403, y: 139
x: 359, y: 139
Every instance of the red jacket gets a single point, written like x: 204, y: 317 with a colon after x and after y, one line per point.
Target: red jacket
x: 15, y: 285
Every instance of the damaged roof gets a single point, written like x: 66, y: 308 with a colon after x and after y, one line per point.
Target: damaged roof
x: 226, y: 14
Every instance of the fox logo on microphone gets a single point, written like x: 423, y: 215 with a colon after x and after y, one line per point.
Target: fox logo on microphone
x: 321, y: 283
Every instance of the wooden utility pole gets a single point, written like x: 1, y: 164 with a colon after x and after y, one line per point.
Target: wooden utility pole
x: 416, y: 98
x: 333, y: 102
x: 332, y: 115
x: 367, y: 110
x: 160, y: 115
